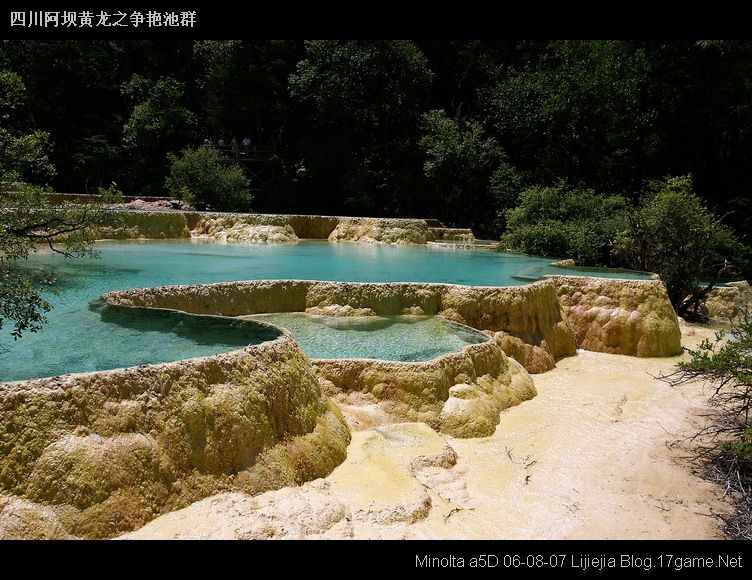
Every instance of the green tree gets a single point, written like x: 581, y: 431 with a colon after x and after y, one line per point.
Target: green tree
x: 568, y: 222
x: 159, y: 124
x: 360, y: 103
x: 203, y: 176
x: 27, y: 220
x: 673, y: 234
x: 244, y: 84
x: 23, y: 155
x: 468, y: 173
x: 464, y: 69
x: 74, y: 96
x: 578, y: 112
x: 343, y: 134
x: 26, y: 217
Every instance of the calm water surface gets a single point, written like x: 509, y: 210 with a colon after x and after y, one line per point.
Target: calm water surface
x: 80, y: 338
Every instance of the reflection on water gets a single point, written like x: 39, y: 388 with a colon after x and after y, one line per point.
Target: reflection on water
x: 78, y: 339
x: 355, y: 323
x: 109, y: 337
x: 397, y: 338
x: 217, y: 331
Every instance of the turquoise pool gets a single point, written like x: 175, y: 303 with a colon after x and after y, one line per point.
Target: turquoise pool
x: 78, y: 338
x: 399, y: 338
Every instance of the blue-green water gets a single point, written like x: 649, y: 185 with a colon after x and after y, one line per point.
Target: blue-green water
x: 77, y: 339
x: 400, y: 338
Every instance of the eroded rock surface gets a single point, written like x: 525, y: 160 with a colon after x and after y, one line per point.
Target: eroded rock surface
x: 157, y: 225
x: 306, y: 512
x: 155, y: 205
x: 22, y: 519
x: 231, y: 229
x: 452, y: 234
x: 601, y: 433
x: 530, y: 320
x: 408, y: 460
x: 97, y: 454
x: 632, y: 317
x: 729, y: 302
x: 381, y: 231
x: 461, y: 394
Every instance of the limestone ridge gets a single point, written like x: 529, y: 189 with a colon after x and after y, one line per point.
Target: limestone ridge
x: 530, y: 323
x: 536, y: 324
x: 452, y: 235
x: 270, y: 229
x: 461, y: 394
x: 146, y: 225
x: 729, y: 302
x: 632, y: 317
x: 96, y: 454
x: 393, y: 231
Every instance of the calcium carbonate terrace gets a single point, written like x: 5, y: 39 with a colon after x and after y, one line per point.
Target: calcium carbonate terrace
x: 89, y: 338
x: 195, y: 365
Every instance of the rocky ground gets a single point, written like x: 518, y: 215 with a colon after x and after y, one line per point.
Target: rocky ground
x: 159, y: 205
x: 594, y: 455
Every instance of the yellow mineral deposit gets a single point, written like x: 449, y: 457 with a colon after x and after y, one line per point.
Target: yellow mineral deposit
x: 592, y: 456
x: 467, y: 445
x: 96, y: 454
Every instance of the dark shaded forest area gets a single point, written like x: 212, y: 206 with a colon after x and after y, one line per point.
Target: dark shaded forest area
x: 448, y: 129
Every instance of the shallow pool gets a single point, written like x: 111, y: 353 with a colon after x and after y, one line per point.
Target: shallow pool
x: 398, y: 338
x: 77, y: 339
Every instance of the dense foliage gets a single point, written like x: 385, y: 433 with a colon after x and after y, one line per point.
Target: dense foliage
x: 673, y: 234
x: 27, y: 219
x: 549, y: 145
x: 566, y: 221
x: 204, y: 177
x: 23, y: 150
x: 470, y: 170
x: 362, y: 101
x: 400, y: 128
x: 158, y: 124
x: 667, y: 230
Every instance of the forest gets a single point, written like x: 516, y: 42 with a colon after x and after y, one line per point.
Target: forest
x: 455, y: 130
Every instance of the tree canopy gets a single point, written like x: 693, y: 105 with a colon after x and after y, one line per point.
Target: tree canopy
x: 399, y: 128
x: 27, y: 219
x: 202, y: 176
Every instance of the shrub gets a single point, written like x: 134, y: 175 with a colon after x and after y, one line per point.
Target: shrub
x: 202, y: 176
x: 567, y: 222
x: 726, y: 441
x: 674, y: 234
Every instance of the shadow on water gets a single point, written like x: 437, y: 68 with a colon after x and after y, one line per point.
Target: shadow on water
x: 357, y: 323
x: 200, y: 329
x: 76, y: 275
x: 95, y: 269
x: 244, y: 257
x: 421, y: 355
